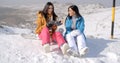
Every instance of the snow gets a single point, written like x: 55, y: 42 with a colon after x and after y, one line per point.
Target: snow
x: 16, y: 48
x: 13, y: 30
x: 100, y: 23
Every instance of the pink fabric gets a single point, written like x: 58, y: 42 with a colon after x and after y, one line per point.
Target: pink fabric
x: 45, y: 37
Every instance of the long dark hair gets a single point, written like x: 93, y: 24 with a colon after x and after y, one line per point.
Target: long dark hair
x: 76, y: 10
x: 45, y: 11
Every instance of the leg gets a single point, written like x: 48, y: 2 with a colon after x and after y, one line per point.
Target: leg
x: 57, y: 36
x: 45, y: 37
x: 81, y: 42
x: 72, y: 44
x: 71, y: 41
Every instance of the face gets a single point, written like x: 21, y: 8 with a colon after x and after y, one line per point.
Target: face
x: 50, y: 9
x: 71, y: 12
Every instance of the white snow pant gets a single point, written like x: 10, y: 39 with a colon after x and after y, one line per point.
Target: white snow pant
x: 76, y: 40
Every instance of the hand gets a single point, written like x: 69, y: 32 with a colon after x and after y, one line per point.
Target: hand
x: 50, y: 24
x: 75, y: 32
x: 58, y: 23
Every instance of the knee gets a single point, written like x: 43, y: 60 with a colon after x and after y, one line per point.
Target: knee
x: 68, y: 35
x: 80, y: 36
x: 58, y: 34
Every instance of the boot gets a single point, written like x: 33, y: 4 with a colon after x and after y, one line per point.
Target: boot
x: 72, y: 52
x: 64, y: 48
x: 83, y: 51
x: 46, y: 48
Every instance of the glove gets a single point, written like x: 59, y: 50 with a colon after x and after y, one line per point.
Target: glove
x: 50, y: 24
x: 58, y: 23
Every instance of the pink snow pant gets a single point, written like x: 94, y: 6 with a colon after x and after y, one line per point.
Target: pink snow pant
x: 56, y: 36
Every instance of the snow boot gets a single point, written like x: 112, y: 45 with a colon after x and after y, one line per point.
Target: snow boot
x: 71, y: 52
x: 64, y: 48
x: 46, y: 48
x: 83, y: 51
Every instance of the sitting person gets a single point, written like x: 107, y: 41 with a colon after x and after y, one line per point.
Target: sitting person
x: 74, y: 35
x: 46, y: 26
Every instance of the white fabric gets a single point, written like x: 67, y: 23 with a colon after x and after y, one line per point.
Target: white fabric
x: 76, y: 40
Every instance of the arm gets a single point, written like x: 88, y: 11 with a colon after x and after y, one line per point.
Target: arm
x: 81, y: 25
x: 40, y: 22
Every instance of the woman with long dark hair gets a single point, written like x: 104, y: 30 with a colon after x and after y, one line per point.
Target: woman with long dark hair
x: 74, y: 35
x: 46, y: 29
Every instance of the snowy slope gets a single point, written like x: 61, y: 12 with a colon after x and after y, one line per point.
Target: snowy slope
x: 14, y: 48
x: 99, y: 23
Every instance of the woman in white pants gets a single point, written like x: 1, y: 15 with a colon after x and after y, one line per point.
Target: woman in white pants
x: 74, y: 35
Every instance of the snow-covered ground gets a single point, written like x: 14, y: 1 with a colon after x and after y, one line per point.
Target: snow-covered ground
x: 17, y: 45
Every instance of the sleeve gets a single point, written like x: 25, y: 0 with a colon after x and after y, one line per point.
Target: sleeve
x: 68, y: 24
x: 81, y: 25
x: 40, y: 22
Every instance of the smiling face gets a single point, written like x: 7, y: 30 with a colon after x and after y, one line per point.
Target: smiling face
x: 50, y: 9
x: 71, y: 12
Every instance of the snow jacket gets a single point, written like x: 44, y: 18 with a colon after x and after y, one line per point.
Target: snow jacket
x: 79, y: 25
x: 40, y: 22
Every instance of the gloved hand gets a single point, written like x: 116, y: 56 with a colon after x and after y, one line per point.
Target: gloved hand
x: 50, y: 24
x: 58, y: 23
